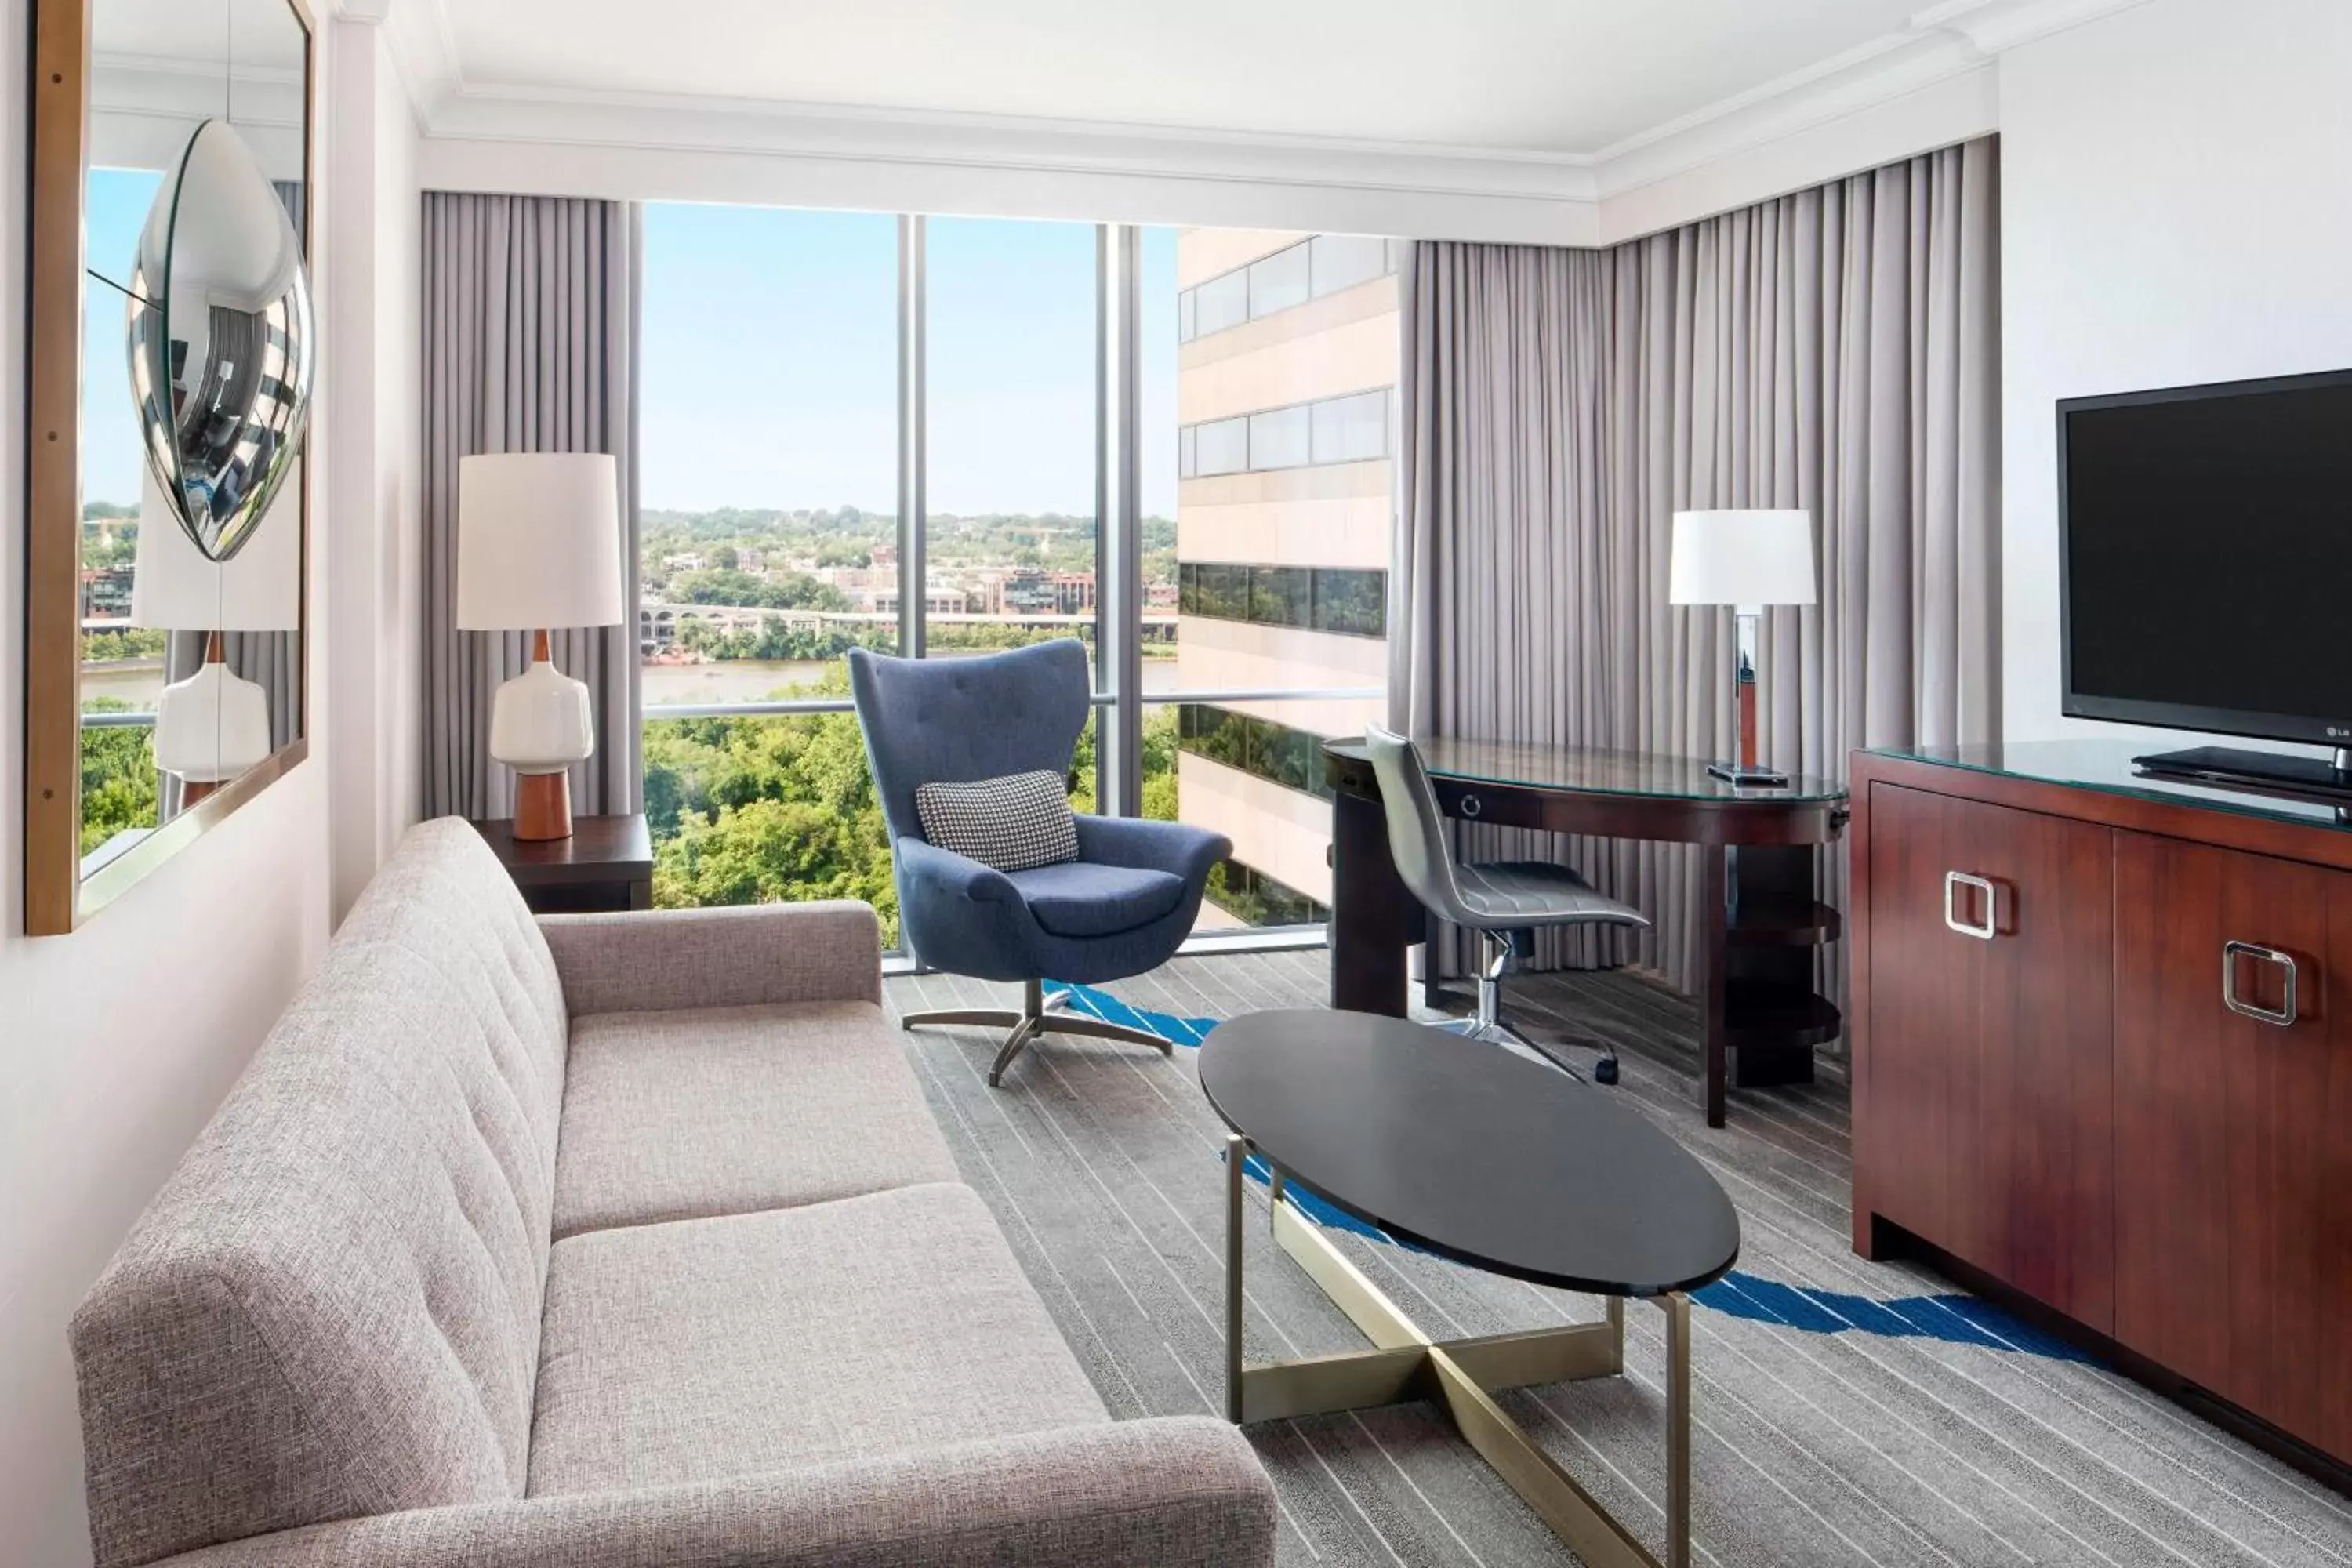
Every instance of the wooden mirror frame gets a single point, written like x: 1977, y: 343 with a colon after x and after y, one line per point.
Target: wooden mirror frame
x: 57, y: 897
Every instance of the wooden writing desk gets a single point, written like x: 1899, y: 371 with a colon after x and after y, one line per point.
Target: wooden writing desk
x: 1761, y: 1015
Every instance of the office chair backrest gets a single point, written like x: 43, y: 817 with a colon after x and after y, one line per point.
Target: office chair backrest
x: 955, y: 720
x: 1416, y: 828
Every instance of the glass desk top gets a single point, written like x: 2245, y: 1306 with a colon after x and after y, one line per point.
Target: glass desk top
x: 1593, y: 771
x: 2106, y: 764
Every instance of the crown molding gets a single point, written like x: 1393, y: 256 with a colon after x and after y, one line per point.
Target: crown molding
x: 1939, y: 45
x: 424, y: 51
x: 1033, y: 145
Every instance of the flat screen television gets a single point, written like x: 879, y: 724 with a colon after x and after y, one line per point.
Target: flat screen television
x: 2205, y: 552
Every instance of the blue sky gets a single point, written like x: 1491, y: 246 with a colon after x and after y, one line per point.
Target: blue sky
x: 119, y: 200
x: 771, y: 361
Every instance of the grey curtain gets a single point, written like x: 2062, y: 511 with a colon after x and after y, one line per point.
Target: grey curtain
x: 530, y: 345
x: 1836, y: 349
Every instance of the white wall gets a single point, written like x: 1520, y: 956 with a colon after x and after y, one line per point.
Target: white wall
x: 116, y: 1043
x: 2174, y: 209
x: 374, y: 557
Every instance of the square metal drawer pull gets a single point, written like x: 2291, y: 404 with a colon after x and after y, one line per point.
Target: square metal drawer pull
x: 2233, y: 951
x: 1953, y: 882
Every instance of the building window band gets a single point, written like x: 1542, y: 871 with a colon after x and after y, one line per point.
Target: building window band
x: 1261, y: 748
x: 1346, y: 602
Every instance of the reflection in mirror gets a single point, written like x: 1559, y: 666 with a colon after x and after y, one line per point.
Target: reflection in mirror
x: 234, y: 707
x: 220, y: 340
x: 191, y: 667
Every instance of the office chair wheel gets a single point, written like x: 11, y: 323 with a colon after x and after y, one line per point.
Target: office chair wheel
x: 1605, y: 1070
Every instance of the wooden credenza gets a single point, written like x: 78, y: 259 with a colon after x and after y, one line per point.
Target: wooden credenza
x: 2079, y: 1068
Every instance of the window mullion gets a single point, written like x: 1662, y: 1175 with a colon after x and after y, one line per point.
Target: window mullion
x: 1118, y: 489
x: 913, y: 418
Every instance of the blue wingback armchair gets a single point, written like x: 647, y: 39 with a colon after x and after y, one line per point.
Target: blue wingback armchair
x: 1119, y: 910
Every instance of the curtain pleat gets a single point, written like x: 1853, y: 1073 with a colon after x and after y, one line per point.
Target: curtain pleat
x: 530, y: 345
x: 1836, y: 349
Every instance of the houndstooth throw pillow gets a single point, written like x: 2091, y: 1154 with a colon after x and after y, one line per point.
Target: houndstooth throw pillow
x: 1012, y: 823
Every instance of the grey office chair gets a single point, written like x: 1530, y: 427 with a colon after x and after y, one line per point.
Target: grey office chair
x: 1503, y: 901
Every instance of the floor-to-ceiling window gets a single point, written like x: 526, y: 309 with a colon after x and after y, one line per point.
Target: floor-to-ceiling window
x: 891, y: 432
x: 768, y: 489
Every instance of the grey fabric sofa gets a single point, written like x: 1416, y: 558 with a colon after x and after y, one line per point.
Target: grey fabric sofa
x: 604, y: 1240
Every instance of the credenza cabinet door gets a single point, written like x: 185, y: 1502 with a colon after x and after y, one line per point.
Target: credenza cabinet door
x: 1989, y: 1041
x: 2233, y: 1234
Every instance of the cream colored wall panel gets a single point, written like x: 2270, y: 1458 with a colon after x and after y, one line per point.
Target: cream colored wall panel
x: 1202, y: 253
x: 1278, y: 831
x: 1354, y: 357
x: 1339, y: 515
x: 1232, y: 655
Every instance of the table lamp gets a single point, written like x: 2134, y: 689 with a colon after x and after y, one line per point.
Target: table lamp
x: 213, y: 726
x: 1748, y: 559
x: 538, y: 546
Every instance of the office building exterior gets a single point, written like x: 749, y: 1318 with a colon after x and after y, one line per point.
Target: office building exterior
x: 1288, y: 363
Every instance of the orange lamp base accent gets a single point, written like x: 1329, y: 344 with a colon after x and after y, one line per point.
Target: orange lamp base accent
x: 542, y: 807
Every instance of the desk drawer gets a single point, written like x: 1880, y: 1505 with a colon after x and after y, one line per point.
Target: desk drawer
x: 1503, y: 807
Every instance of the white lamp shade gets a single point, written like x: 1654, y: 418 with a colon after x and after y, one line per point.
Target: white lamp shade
x: 177, y: 587
x: 539, y: 541
x: 1743, y: 557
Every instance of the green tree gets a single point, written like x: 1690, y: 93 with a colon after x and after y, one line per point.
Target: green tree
x: 119, y: 782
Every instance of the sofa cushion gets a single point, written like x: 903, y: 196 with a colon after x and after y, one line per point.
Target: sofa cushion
x: 726, y: 1111
x: 1082, y: 899
x: 710, y: 1348
x: 333, y: 1307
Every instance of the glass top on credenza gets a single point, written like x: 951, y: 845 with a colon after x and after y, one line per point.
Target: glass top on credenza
x: 2104, y: 764
x: 1592, y: 770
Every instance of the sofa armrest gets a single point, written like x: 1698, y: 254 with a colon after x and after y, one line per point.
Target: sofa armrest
x: 654, y: 961
x: 1186, y: 1493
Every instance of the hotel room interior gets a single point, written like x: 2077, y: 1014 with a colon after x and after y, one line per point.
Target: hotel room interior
x: 1176, y: 786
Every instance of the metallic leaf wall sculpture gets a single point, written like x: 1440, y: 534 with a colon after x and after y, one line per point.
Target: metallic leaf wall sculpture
x: 221, y: 340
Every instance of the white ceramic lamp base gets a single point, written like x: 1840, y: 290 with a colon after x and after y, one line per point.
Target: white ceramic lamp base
x: 540, y: 724
x: 211, y: 727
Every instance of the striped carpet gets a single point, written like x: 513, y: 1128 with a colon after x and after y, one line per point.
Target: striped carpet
x: 1846, y: 1413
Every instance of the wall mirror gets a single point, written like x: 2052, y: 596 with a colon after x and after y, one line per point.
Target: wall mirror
x: 172, y: 354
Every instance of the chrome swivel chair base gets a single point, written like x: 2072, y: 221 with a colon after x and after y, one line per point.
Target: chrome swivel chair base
x: 1495, y: 952
x: 1038, y: 1015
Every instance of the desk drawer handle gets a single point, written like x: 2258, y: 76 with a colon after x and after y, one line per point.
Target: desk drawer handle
x: 1953, y: 882
x: 2233, y: 951
x: 1472, y: 805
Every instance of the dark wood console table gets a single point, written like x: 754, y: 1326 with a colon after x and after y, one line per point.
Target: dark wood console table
x: 2103, y: 1057
x: 606, y: 864
x: 1761, y: 1016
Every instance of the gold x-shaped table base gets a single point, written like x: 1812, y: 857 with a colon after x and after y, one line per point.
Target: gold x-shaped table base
x: 1460, y: 1375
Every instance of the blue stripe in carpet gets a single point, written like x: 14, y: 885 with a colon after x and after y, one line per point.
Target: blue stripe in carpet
x: 1096, y: 1003
x: 1953, y: 1318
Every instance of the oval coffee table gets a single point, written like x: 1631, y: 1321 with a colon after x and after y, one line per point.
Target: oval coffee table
x: 1477, y: 1154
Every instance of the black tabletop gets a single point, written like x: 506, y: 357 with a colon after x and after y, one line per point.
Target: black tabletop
x: 1472, y: 1152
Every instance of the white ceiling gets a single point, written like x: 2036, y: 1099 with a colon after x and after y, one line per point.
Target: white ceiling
x: 1541, y: 77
